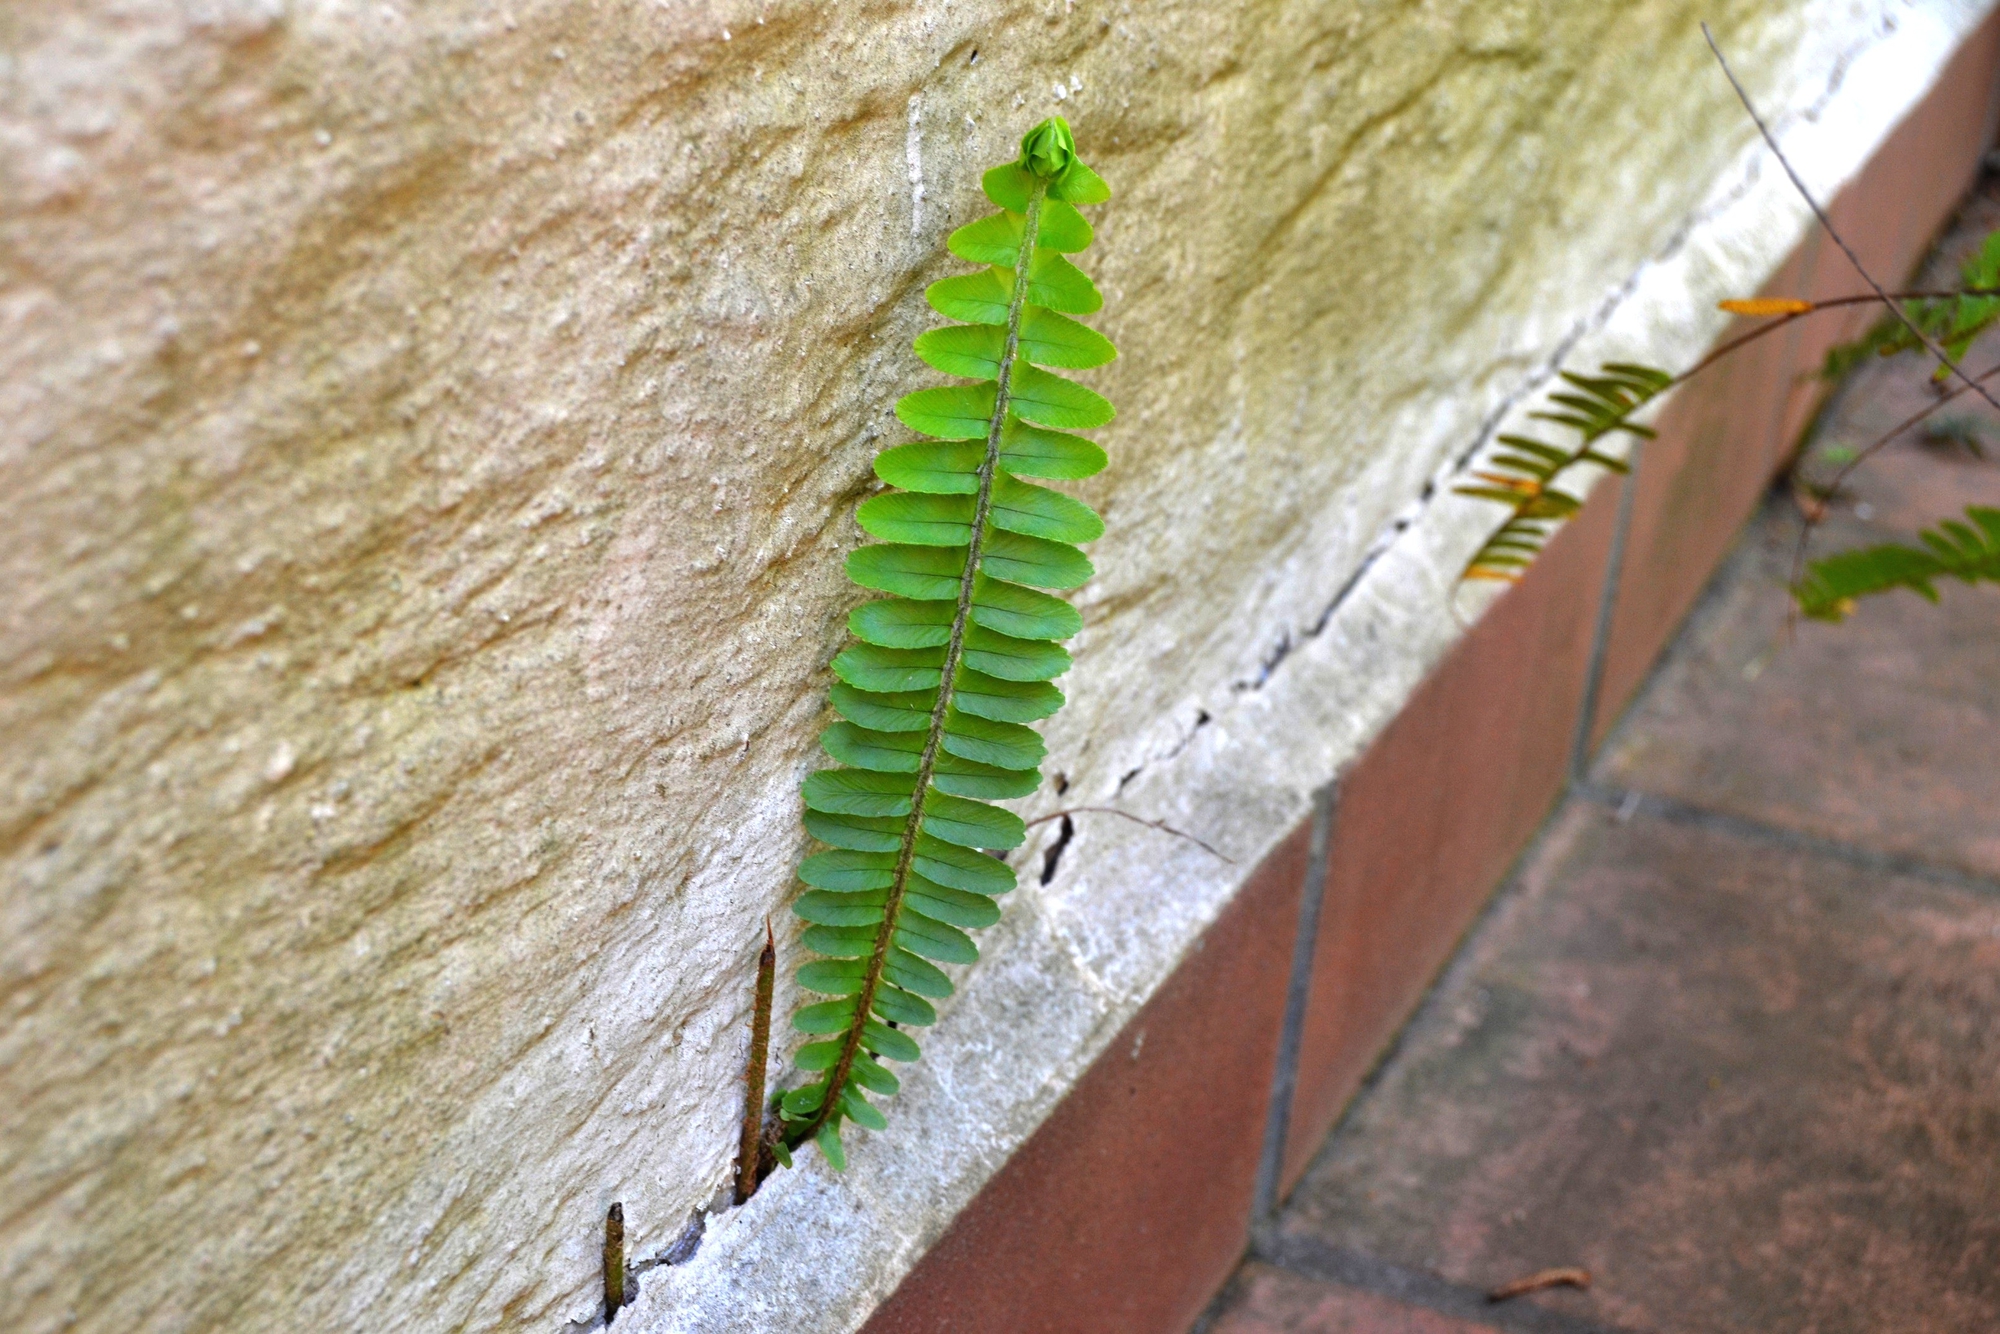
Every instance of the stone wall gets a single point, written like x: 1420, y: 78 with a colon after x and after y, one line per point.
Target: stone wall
x: 429, y: 435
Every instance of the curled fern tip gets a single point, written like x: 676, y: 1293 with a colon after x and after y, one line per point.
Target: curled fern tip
x: 1048, y: 149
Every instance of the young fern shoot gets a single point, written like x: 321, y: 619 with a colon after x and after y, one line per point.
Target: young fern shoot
x: 935, y: 697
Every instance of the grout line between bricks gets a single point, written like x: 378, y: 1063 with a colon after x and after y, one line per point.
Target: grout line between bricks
x: 1285, y: 1076
x: 1607, y: 608
x: 1309, y: 1257
x: 1630, y: 801
x: 1265, y: 1239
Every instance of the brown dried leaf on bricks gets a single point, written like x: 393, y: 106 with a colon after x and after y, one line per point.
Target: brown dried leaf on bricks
x: 1540, y: 1279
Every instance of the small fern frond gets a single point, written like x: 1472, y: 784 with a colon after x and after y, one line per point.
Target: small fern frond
x: 1967, y: 551
x: 948, y: 670
x: 1522, y: 474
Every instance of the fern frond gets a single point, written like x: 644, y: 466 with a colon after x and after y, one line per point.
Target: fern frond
x: 1966, y: 551
x: 1523, y: 473
x: 947, y: 671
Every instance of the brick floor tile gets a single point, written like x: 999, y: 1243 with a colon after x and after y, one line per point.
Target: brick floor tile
x: 1748, y: 1087
x: 1881, y: 731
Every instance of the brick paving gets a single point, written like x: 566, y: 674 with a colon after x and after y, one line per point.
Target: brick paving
x: 1730, y: 1037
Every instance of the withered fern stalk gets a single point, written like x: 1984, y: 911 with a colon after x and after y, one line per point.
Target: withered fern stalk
x: 935, y: 696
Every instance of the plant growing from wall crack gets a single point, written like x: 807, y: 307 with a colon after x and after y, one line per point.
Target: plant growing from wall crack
x: 947, y: 671
x: 1524, y: 473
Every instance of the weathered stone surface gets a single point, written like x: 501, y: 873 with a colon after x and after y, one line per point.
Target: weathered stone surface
x: 429, y: 434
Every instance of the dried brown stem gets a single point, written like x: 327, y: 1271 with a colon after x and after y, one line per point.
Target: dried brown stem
x: 1831, y: 303
x: 750, y: 1147
x: 1540, y: 1279
x: 614, y: 1261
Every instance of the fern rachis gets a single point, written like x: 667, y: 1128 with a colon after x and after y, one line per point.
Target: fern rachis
x: 936, y: 696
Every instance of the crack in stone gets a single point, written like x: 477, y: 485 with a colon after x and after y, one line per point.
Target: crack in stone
x: 1052, y: 857
x: 679, y: 1251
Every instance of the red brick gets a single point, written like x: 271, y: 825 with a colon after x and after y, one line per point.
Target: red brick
x: 1128, y: 1208
x: 1440, y: 804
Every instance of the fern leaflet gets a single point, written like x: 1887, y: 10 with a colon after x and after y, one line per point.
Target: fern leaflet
x: 935, y: 697
x: 1524, y: 473
x: 1969, y: 551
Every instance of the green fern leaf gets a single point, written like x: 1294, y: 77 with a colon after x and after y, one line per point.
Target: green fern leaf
x: 1523, y: 474
x: 1966, y: 551
x: 935, y: 694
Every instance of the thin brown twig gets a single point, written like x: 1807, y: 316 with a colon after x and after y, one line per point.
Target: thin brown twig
x: 1811, y: 308
x: 1813, y: 518
x: 1543, y: 1278
x: 1160, y: 825
x: 1944, y: 358
x: 1876, y: 295
x: 1913, y: 419
x: 1815, y: 511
